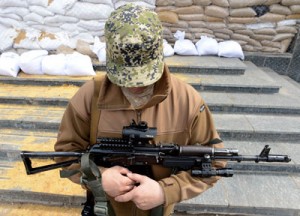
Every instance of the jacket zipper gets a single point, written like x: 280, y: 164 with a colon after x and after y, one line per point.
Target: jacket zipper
x: 134, y: 210
x: 138, y: 118
x: 139, y: 115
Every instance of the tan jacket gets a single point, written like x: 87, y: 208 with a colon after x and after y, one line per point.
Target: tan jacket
x: 176, y: 109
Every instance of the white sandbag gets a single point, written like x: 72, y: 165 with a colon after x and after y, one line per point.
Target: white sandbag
x: 184, y: 46
x: 28, y: 39
x: 151, y: 2
x: 31, y: 61
x: 60, y: 19
x: 230, y: 49
x: 61, y: 7
x: 260, y: 26
x: 207, y: 46
x: 79, y: 65
x: 99, y: 48
x: 287, y: 23
x: 33, y: 17
x: 50, y: 41
x: 54, y: 65
x: 42, y: 11
x: 7, y: 38
x: 43, y: 3
x: 43, y: 28
x: 3, y: 28
x: 11, y: 16
x: 10, y: 3
x: 107, y: 2
x: 167, y: 49
x: 89, y: 11
x: 93, y: 25
x: 139, y: 3
x: 15, y: 10
x: 11, y: 23
x: 9, y: 64
x: 87, y: 37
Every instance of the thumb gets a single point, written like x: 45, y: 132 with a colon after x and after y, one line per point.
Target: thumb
x: 125, y: 197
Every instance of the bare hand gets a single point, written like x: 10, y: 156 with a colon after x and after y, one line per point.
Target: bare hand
x: 115, y: 181
x: 147, y: 195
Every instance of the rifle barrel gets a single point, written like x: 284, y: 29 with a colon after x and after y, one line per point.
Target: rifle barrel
x: 255, y: 158
x: 200, y: 151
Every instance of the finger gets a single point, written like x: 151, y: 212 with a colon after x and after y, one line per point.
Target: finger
x: 136, y: 177
x: 125, y: 189
x: 125, y: 197
x: 124, y: 171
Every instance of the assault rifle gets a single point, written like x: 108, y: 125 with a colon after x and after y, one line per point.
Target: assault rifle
x: 136, y: 149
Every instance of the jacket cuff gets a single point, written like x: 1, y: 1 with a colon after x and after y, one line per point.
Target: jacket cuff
x: 171, y: 190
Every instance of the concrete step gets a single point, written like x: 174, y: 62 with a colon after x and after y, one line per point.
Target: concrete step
x: 230, y: 126
x: 254, y: 80
x: 285, y: 102
x: 23, y: 209
x: 12, y: 141
x: 30, y: 116
x: 42, y: 188
x: 253, y: 194
x: 199, y: 64
x: 216, y: 90
x: 260, y: 127
x: 281, y: 104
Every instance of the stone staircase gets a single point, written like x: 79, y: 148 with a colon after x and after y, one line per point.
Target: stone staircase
x: 252, y: 107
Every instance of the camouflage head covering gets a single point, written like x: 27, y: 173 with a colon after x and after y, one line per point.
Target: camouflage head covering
x: 134, y: 46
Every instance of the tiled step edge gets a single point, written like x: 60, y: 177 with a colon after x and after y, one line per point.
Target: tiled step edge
x: 8, y: 196
x: 196, y: 209
x: 226, y: 134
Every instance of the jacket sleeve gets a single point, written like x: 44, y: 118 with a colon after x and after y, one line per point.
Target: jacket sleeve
x: 74, y: 130
x: 183, y: 186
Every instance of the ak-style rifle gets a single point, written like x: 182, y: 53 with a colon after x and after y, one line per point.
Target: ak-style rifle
x: 135, y: 148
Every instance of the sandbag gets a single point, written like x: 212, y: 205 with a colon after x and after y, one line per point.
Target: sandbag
x: 9, y: 64
x: 7, y: 38
x: 230, y: 49
x: 99, y: 48
x: 207, y: 46
x: 167, y: 49
x: 54, y: 65
x: 184, y: 46
x: 79, y: 65
x: 31, y: 61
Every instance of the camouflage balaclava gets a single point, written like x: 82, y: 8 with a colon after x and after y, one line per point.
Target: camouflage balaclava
x: 134, y: 46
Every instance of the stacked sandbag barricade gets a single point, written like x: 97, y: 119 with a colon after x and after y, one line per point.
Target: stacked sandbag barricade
x: 54, y: 24
x: 257, y: 25
x: 38, y: 62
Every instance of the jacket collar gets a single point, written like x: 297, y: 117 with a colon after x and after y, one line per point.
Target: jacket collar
x: 111, y: 96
